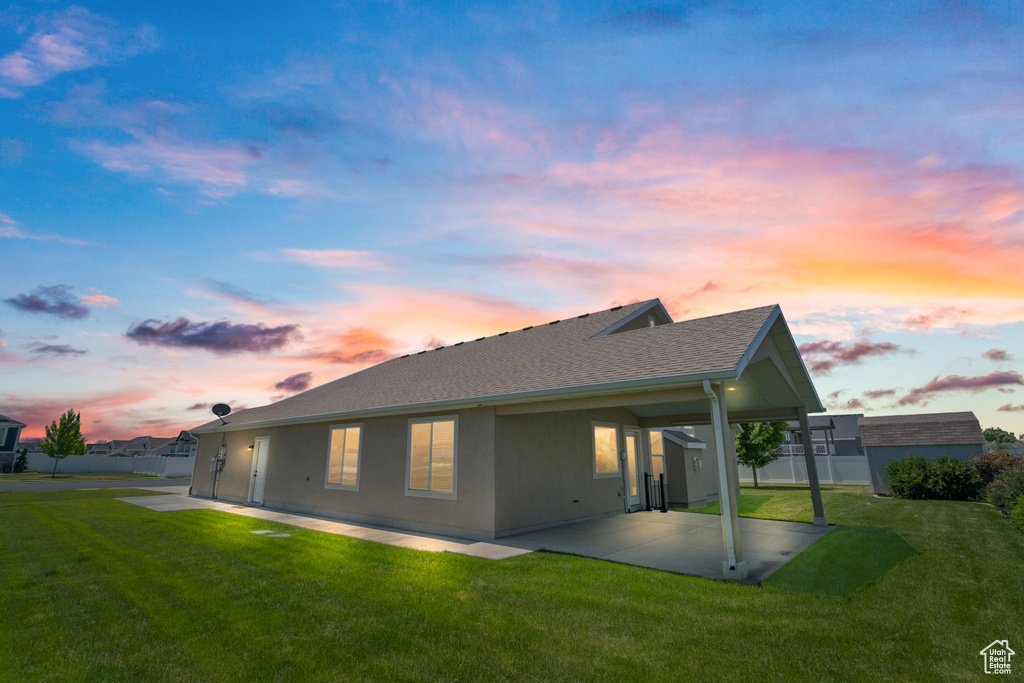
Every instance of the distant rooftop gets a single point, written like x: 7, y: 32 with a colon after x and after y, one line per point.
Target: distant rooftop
x: 927, y: 429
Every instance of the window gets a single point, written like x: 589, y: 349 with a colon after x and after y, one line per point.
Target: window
x: 432, y: 449
x: 657, y: 453
x: 343, y: 457
x: 606, y: 450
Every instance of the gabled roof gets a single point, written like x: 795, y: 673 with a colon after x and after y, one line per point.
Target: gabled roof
x: 683, y: 439
x: 927, y: 429
x: 8, y: 422
x: 607, y: 351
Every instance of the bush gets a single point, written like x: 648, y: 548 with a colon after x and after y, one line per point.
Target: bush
x: 1017, y: 515
x: 941, y: 479
x: 909, y: 478
x: 1006, y: 489
x: 990, y: 465
x: 21, y: 464
x: 953, y: 479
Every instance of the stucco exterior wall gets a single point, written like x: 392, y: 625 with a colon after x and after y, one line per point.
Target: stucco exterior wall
x: 297, y: 467
x: 545, y: 464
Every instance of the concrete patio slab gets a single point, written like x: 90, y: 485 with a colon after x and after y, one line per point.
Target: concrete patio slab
x: 679, y: 542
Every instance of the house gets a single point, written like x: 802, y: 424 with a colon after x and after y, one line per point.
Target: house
x: 896, y: 437
x: 521, y: 430
x: 830, y: 434
x: 181, y: 446
x: 10, y: 430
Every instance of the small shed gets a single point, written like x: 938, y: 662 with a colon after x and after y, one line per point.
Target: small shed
x: 930, y: 435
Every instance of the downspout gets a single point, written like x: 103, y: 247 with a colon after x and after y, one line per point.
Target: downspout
x: 724, y: 494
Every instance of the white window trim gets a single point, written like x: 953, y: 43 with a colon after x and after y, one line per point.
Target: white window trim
x: 359, y: 458
x: 618, y: 450
x: 455, y: 458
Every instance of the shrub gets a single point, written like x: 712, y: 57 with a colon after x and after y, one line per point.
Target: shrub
x: 909, y: 478
x: 1017, y: 515
x: 1006, y: 489
x: 990, y: 465
x: 941, y: 479
x: 953, y: 479
x: 21, y: 464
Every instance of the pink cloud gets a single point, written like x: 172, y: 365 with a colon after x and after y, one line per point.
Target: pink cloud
x: 879, y: 393
x: 960, y: 383
x: 1010, y: 408
x: 333, y: 258
x: 824, y: 355
x: 99, y: 299
x: 66, y: 41
x: 357, y: 346
x: 222, y: 169
x: 998, y: 355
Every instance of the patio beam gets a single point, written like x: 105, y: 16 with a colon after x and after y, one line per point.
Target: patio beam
x: 812, y: 468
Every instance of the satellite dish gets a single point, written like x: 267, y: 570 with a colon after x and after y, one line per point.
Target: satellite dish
x: 220, y: 410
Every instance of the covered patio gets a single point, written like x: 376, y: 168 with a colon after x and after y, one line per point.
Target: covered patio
x: 678, y: 542
x: 738, y: 376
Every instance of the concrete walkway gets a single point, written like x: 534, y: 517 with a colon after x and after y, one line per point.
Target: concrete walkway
x: 679, y: 542
x: 404, y: 539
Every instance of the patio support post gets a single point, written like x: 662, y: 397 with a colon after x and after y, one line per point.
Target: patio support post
x: 733, y: 567
x: 812, y: 468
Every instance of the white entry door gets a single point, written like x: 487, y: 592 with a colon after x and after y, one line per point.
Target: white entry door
x: 261, y: 448
x: 634, y: 468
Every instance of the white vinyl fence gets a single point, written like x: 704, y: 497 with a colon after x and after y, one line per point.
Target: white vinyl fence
x: 832, y: 469
x: 143, y: 464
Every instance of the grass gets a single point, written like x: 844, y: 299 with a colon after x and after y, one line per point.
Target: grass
x: 32, y: 477
x: 95, y: 589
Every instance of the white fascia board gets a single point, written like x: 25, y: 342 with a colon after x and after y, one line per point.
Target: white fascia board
x: 803, y: 368
x: 758, y: 338
x: 655, y: 304
x: 684, y: 444
x: 557, y: 393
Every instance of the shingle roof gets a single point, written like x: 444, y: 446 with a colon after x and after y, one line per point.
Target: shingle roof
x: 8, y: 422
x: 928, y: 429
x: 560, y: 354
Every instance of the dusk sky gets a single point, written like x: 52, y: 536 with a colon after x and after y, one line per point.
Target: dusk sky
x: 201, y: 204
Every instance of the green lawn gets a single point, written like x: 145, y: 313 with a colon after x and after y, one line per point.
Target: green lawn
x: 30, y: 477
x: 95, y: 589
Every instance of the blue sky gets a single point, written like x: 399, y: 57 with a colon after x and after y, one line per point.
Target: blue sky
x: 232, y: 203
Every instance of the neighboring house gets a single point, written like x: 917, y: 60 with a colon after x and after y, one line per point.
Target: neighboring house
x: 895, y: 437
x: 183, y: 445
x: 830, y: 434
x: 10, y: 430
x: 522, y: 430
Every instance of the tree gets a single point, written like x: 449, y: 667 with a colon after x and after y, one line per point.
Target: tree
x: 999, y: 437
x: 757, y: 445
x: 21, y: 464
x: 64, y: 439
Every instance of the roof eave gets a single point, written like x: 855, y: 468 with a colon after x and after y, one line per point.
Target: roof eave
x: 557, y: 393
